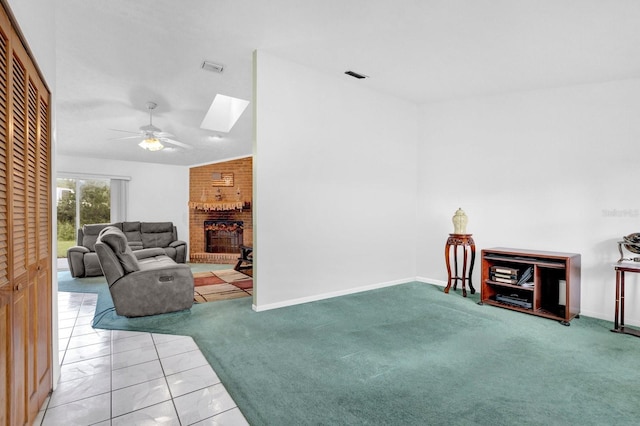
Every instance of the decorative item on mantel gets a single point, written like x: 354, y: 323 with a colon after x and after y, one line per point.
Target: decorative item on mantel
x: 219, y: 202
x: 460, y: 220
x: 216, y: 205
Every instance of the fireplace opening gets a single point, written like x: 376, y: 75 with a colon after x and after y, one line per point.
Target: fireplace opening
x: 223, y: 236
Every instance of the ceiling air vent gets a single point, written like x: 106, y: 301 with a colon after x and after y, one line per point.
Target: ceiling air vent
x: 356, y: 75
x: 210, y: 66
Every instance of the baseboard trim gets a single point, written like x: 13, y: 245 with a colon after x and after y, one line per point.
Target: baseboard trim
x: 330, y: 295
x: 424, y: 280
x: 431, y: 281
x: 599, y: 315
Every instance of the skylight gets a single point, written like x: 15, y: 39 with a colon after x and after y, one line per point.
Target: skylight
x: 223, y: 113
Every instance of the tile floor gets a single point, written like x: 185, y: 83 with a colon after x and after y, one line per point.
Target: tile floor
x: 111, y: 377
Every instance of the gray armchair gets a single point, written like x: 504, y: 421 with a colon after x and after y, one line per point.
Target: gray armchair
x: 142, y: 282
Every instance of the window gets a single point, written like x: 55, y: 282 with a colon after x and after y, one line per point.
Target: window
x: 86, y: 200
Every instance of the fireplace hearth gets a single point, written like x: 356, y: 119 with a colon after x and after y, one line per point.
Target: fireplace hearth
x: 223, y: 236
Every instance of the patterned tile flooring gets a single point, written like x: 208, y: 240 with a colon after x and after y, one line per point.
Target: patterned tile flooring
x: 111, y: 377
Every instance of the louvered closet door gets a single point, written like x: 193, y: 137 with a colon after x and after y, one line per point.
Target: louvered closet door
x: 5, y: 286
x: 29, y: 237
x: 18, y: 237
x: 25, y: 237
x: 41, y: 312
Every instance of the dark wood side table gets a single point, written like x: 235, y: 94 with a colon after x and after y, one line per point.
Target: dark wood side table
x: 618, y: 322
x: 245, y: 261
x: 468, y: 245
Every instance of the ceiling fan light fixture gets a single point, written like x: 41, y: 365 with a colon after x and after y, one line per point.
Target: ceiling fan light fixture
x: 152, y: 136
x: 151, y: 144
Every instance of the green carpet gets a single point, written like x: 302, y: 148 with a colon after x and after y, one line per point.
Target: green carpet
x: 407, y: 355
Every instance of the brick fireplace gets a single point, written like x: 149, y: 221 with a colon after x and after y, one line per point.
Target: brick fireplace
x: 223, y: 236
x: 220, y: 199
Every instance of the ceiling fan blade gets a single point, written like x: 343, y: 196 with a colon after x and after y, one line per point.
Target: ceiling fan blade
x: 176, y: 143
x: 163, y: 135
x: 150, y: 128
x: 126, y: 137
x: 125, y: 131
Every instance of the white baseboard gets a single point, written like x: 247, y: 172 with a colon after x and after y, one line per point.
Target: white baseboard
x: 330, y: 295
x: 424, y: 280
x: 431, y: 281
x: 600, y: 315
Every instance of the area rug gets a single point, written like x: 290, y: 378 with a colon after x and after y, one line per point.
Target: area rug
x: 105, y: 316
x: 221, y: 285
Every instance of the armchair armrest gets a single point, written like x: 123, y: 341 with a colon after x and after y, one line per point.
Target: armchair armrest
x: 181, y: 250
x: 75, y: 258
x: 149, y: 252
x: 78, y: 249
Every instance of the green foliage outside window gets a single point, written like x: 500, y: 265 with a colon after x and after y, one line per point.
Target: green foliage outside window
x: 95, y: 207
x: 95, y: 203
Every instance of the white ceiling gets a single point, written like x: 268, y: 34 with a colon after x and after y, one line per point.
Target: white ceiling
x: 113, y: 56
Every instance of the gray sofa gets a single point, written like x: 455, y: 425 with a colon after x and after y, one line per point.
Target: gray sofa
x: 143, y: 282
x: 83, y: 261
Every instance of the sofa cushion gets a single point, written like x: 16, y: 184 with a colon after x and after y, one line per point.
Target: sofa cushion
x: 116, y: 239
x: 136, y: 245
x: 130, y: 226
x: 156, y: 234
x: 132, y: 232
x: 90, y: 234
x: 156, y: 262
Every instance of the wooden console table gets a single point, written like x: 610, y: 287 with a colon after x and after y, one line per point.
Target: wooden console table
x: 467, y: 243
x: 618, y: 323
x: 544, y: 283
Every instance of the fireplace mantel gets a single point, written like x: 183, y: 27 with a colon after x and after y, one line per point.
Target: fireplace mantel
x: 219, y: 205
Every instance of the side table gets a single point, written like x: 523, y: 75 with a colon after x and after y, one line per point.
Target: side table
x: 245, y: 261
x: 468, y: 245
x: 618, y: 323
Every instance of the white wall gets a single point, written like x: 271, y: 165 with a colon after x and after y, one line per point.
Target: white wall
x: 335, y: 185
x: 157, y: 192
x: 549, y: 170
x: 37, y: 23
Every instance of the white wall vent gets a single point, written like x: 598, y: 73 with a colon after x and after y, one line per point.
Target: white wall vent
x: 210, y: 66
x: 356, y: 74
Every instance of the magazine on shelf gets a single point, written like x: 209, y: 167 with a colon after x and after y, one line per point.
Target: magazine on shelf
x: 526, y: 276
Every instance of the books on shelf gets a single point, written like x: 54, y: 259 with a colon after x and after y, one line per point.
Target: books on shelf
x: 513, y: 276
x: 503, y: 274
x: 504, y: 280
x: 504, y: 270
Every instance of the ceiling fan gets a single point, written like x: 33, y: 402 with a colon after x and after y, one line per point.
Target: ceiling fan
x: 152, y: 137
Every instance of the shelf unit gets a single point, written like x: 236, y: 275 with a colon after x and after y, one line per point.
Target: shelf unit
x: 555, y: 293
